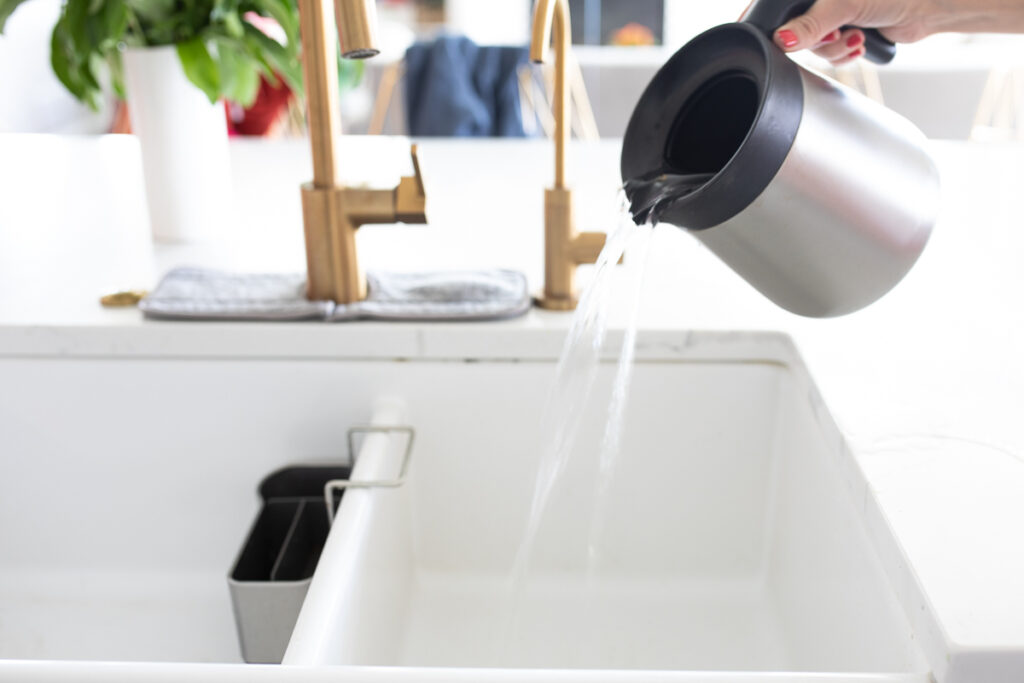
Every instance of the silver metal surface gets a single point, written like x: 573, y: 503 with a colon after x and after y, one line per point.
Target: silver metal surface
x: 266, y: 610
x: 847, y: 215
x: 335, y: 485
x: 265, y: 616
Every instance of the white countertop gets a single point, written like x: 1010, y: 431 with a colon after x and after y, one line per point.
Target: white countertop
x: 927, y: 384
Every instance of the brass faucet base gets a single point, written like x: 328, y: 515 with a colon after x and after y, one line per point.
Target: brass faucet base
x: 557, y: 304
x: 332, y: 268
x: 331, y: 217
x: 564, y: 250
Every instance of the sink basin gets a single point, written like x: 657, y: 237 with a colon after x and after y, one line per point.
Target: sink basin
x: 733, y: 543
x: 735, y: 548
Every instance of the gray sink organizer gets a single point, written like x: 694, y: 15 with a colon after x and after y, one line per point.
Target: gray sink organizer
x: 271, y: 576
x: 272, y: 573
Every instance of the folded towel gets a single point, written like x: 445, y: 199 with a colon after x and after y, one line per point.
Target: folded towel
x: 199, y: 294
x: 455, y: 88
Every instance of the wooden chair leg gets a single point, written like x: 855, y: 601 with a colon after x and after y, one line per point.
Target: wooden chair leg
x: 583, y: 121
x: 581, y: 101
x: 987, y: 114
x: 385, y: 95
x: 536, y: 101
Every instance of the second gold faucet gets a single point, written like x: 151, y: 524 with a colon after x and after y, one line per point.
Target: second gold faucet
x: 564, y: 247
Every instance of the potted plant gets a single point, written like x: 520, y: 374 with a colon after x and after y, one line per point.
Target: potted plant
x: 174, y: 60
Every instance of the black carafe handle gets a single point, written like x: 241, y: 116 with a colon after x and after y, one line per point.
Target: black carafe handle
x: 768, y: 15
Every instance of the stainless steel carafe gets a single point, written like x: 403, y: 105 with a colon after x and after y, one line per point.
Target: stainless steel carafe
x: 819, y: 197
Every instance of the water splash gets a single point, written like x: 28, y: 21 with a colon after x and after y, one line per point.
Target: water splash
x: 567, y: 400
x: 611, y: 444
x: 651, y: 196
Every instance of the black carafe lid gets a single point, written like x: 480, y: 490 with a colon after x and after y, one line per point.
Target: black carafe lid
x: 728, y: 105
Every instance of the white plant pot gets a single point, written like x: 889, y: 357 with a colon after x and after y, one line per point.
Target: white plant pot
x: 184, y: 143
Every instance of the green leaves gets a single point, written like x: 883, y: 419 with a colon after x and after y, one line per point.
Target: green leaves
x: 220, y: 44
x: 274, y: 57
x: 64, y: 62
x: 168, y: 22
x: 76, y: 46
x: 239, y: 74
x: 350, y: 73
x: 7, y: 8
x: 285, y: 12
x: 116, y: 67
x: 200, y: 67
x: 85, y: 43
x: 233, y: 25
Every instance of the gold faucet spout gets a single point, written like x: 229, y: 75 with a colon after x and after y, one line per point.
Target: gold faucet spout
x: 551, y: 22
x: 543, y: 21
x: 357, y: 27
x: 332, y: 217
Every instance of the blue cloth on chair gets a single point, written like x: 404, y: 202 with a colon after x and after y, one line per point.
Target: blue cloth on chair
x: 455, y: 88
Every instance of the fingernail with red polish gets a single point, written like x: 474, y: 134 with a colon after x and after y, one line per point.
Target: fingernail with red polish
x: 854, y: 40
x: 831, y: 38
x: 788, y: 38
x: 857, y: 53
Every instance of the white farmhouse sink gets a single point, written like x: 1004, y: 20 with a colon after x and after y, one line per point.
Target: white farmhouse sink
x: 736, y: 549
x: 733, y: 541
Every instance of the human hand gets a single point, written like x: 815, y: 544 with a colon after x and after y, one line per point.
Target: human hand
x: 820, y: 29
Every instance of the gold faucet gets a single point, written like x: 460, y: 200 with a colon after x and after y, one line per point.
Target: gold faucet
x: 331, y: 212
x: 564, y: 247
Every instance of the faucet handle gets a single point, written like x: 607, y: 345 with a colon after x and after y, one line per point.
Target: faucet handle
x: 415, y: 152
x: 410, y: 195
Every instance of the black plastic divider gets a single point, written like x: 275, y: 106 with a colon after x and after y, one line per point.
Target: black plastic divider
x: 271, y: 575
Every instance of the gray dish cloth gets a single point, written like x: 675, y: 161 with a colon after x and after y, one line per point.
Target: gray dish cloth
x: 200, y: 294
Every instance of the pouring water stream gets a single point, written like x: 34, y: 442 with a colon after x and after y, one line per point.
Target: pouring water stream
x: 611, y: 444
x: 569, y: 395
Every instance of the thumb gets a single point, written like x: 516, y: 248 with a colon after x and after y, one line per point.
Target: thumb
x: 807, y: 30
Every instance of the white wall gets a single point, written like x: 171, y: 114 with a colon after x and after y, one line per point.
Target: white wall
x: 686, y: 18
x: 507, y: 21
x: 494, y: 22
